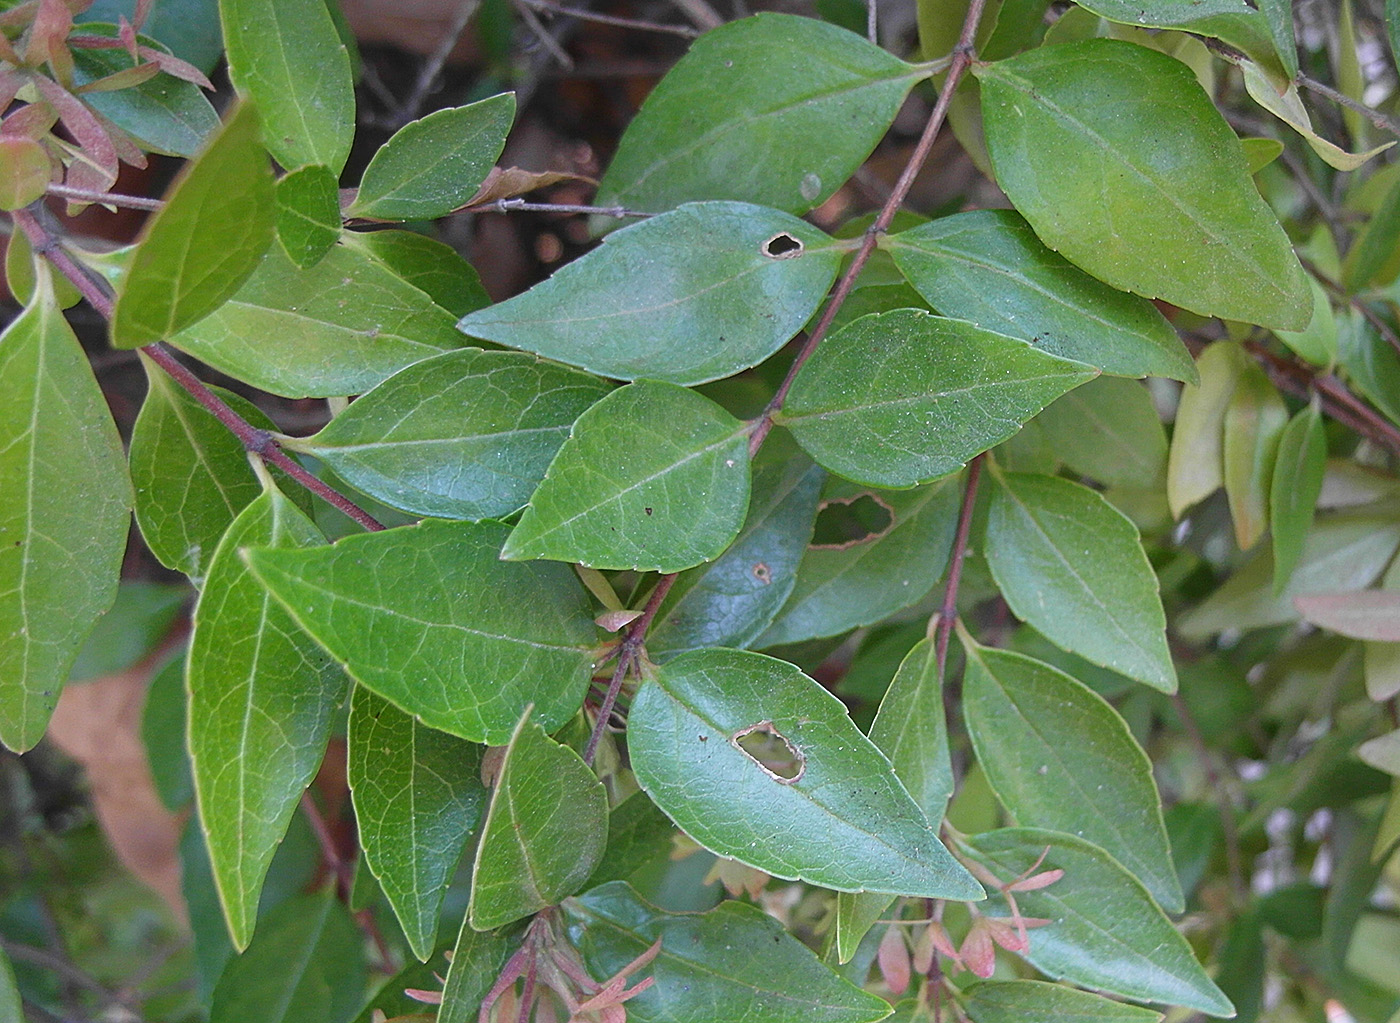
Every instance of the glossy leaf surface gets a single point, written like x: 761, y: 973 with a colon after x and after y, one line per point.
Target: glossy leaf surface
x: 1021, y: 1001
x: 429, y: 265
x: 308, y: 214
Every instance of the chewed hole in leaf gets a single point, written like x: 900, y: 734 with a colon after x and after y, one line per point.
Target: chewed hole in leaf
x: 770, y: 750
x: 782, y: 246
x: 845, y: 523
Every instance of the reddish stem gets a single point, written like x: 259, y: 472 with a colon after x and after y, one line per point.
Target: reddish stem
x: 949, y: 611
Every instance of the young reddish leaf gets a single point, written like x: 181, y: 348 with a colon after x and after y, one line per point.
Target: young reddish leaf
x: 893, y: 956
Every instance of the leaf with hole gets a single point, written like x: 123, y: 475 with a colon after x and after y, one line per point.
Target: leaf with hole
x: 693, y: 295
x: 308, y: 214
x: 827, y: 809
x: 988, y: 267
x: 1123, y: 165
x: 431, y: 619
x: 654, y: 477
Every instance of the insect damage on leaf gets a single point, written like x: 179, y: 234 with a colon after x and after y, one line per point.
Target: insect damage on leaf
x: 771, y: 751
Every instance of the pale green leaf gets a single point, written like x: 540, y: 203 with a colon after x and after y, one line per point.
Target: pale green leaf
x: 1381, y: 661
x: 418, y: 796
x: 988, y: 267
x: 262, y: 696
x: 544, y: 833
x: 1254, y: 422
x: 477, y: 960
x: 1366, y: 614
x: 738, y: 116
x: 430, y: 618
x: 693, y: 295
x: 1317, y: 342
x: 10, y: 1007
x: 1371, y: 257
x: 1382, y: 752
x: 435, y: 164
x: 1196, y: 462
x: 207, y: 240
x: 1123, y: 165
x: 308, y: 214
x: 654, y: 477
x: 1072, y: 565
x: 836, y: 816
x: 64, y: 512
x: 1288, y: 107
x: 1108, y: 430
x: 1297, y: 482
x: 1032, y: 1001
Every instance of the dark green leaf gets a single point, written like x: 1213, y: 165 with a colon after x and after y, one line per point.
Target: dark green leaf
x: 1254, y: 422
x: 476, y: 962
x: 654, y: 477
x: 544, y: 833
x: 427, y: 264
x: 1237, y: 23
x: 430, y: 618
x: 435, y: 164
x: 418, y: 796
x: 392, y: 1000
x: 738, y: 116
x: 466, y: 434
x: 308, y: 214
x: 638, y: 834
x: 138, y: 620
x: 1244, y: 963
x: 261, y: 701
x: 1105, y: 930
x: 64, y: 511
x: 733, y: 964
x: 1123, y: 165
x: 693, y: 295
x: 906, y: 397
x: 987, y: 266
x: 197, y: 251
x: 10, y: 1007
x: 190, y: 28
x: 1059, y: 757
x: 1032, y: 1001
x: 832, y: 814
x: 1072, y: 565
x: 1293, y: 493
x: 163, y: 735
x: 1108, y: 430
x: 287, y: 56
x: 1374, y: 250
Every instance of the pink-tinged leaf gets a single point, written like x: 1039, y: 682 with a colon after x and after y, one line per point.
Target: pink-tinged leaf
x: 1365, y: 614
x: 1036, y: 881
x: 942, y: 942
x: 1007, y: 935
x: 893, y: 957
x: 143, y: 10
x: 978, y: 953
x: 124, y: 79
x: 924, y: 948
x: 32, y: 121
x: 48, y: 34
x: 126, y: 32
x: 99, y: 170
x: 175, y: 67
x: 427, y: 997
x: 8, y: 54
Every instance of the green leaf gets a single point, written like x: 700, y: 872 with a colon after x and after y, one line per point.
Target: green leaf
x: 730, y: 601
x: 477, y: 960
x: 734, y: 964
x: 1105, y: 930
x: 24, y: 172
x: 450, y: 634
x: 638, y: 834
x: 339, y: 327
x: 287, y: 56
x: 308, y: 214
x: 138, y: 620
x: 653, y: 477
x: 1058, y: 756
x: 836, y: 817
x: 1288, y: 107
x: 987, y: 266
x: 20, y: 269
x: 693, y: 295
x: 906, y: 397
x: 435, y: 164
x: 1373, y: 251
x: 842, y: 587
x: 1195, y: 465
x: 1317, y: 342
x: 1381, y: 661
x: 544, y: 833
x: 197, y: 251
x: 418, y: 796
x: 64, y: 512
x: 1293, y: 492
x: 1072, y: 565
x: 1029, y: 1001
x: 10, y: 1007
x: 262, y: 697
x: 1123, y: 165
x: 466, y: 434
x: 189, y: 28
x: 733, y: 121
x: 163, y: 735
x: 1236, y: 23
x: 307, y: 964
x: 1108, y: 430
x: 429, y: 265
x: 1254, y: 422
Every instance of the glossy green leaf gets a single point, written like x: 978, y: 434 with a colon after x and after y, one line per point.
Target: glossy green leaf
x: 1236, y: 23
x: 1195, y: 464
x: 467, y: 434
x: 1254, y: 423
x: 1105, y: 930
x: 654, y: 477
x: 430, y: 618
x: 163, y: 735
x: 730, y: 601
x: 1297, y: 482
x: 339, y: 327
x: 418, y: 796
x: 842, y: 587
x: 307, y: 964
x: 429, y: 265
x: 734, y: 964
x: 638, y: 834
x: 1072, y: 565
x: 907, y: 397
x: 308, y: 214
x: 1123, y: 165
x: 693, y: 295
x: 20, y: 274
x: 988, y: 267
x: 207, y: 240
x: 1029, y: 1001
x: 477, y: 960
x: 1059, y: 757
x: 435, y: 164
x: 262, y: 697
x: 138, y: 620
x: 838, y: 817
x: 63, y: 513
x: 544, y: 833
x: 737, y: 117
x: 1288, y: 107
x: 1374, y: 249
x: 1317, y: 342
x: 287, y: 56
x: 1108, y: 430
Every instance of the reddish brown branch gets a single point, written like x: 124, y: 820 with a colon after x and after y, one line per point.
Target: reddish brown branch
x: 948, y: 612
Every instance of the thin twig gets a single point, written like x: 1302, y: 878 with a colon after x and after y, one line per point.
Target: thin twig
x: 521, y: 206
x: 1337, y: 290
x: 1371, y: 114
x: 1233, y: 859
x: 432, y: 67
x: 948, y: 612
x: 47, y: 246
x: 545, y: 6
x: 61, y: 965
x: 700, y: 13
x: 135, y: 202
x: 556, y: 50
